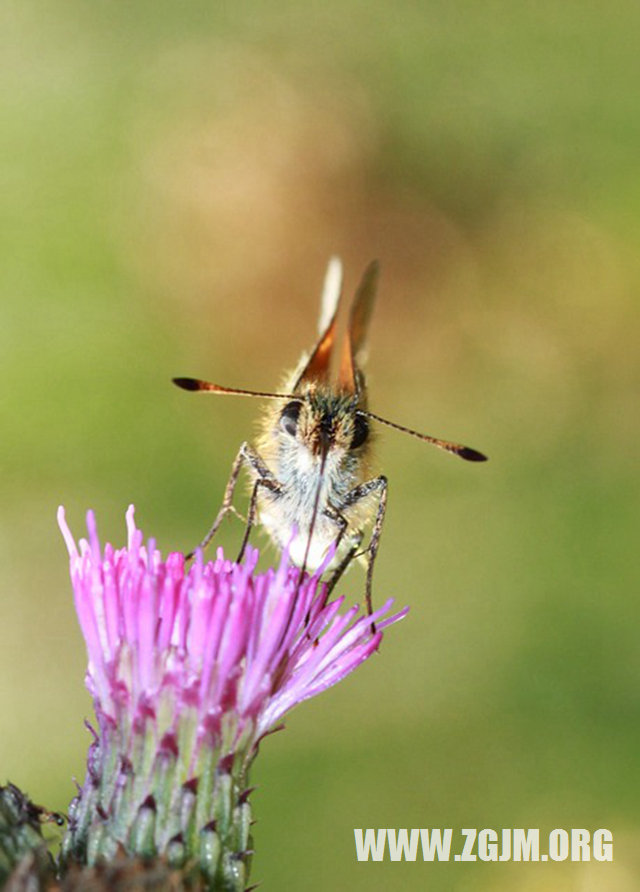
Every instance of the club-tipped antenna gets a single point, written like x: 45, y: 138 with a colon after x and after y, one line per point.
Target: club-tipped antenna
x: 196, y: 384
x: 455, y: 448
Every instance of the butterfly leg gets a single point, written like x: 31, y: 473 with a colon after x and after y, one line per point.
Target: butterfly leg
x: 267, y: 481
x: 350, y: 554
x: 246, y: 454
x: 377, y: 486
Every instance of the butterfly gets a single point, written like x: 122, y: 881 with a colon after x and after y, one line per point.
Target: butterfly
x: 310, y: 473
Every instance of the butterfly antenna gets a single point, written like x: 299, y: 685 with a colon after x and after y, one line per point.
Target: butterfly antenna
x: 464, y: 452
x: 195, y: 384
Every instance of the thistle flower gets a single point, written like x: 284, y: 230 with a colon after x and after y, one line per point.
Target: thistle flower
x: 189, y: 668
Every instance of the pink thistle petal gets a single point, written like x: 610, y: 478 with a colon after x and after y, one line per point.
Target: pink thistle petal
x: 66, y: 533
x: 239, y: 647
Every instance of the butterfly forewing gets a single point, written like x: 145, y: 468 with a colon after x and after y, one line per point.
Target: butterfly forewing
x: 318, y: 365
x: 354, y: 343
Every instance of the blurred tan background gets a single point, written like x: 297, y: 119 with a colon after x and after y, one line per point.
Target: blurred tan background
x: 174, y: 179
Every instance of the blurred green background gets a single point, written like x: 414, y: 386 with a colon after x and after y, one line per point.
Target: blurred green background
x: 174, y: 179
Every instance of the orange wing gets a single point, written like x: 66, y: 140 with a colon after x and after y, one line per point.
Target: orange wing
x: 355, y: 339
x: 318, y: 364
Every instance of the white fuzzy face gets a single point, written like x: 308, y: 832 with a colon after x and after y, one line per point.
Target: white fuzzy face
x: 316, y: 447
x: 304, y: 461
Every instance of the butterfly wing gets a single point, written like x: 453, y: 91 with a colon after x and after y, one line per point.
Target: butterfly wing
x: 354, y: 344
x: 331, y: 292
x: 317, y: 366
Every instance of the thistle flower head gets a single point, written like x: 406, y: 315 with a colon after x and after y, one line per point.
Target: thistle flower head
x: 189, y: 667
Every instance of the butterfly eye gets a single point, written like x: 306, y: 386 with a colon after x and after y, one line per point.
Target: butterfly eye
x: 289, y: 418
x: 360, y: 431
